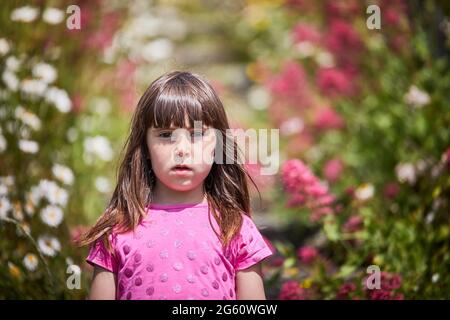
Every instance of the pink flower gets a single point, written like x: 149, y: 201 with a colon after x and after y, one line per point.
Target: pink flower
x: 333, y: 169
x: 350, y: 191
x: 334, y: 82
x: 391, y: 17
x: 296, y: 200
x: 291, y: 85
x: 277, y: 261
x: 327, y: 118
x: 342, y: 38
x: 306, y: 189
x: 316, y: 190
x: 380, y: 294
x: 389, y: 283
x: 318, y: 213
x: 391, y: 190
x: 291, y: 290
x: 393, y: 12
x: 345, y: 290
x: 354, y: 223
x: 294, y: 174
x: 307, y: 254
x: 342, y: 9
x: 305, y: 32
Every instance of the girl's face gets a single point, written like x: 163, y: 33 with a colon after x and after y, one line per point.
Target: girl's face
x: 191, y: 150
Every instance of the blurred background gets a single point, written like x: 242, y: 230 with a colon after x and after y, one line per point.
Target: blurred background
x: 363, y: 114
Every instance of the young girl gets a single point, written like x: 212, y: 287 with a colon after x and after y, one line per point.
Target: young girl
x: 177, y: 228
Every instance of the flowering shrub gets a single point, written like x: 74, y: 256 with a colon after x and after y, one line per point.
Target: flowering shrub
x: 366, y: 173
x: 40, y: 142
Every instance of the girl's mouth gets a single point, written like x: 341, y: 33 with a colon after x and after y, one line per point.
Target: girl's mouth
x: 182, y: 169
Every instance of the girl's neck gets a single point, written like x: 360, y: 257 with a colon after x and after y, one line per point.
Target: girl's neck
x: 164, y: 195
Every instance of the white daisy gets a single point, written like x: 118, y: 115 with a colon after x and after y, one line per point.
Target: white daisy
x: 11, y: 80
x: 28, y: 118
x: 59, y: 98
x: 53, y: 16
x: 5, y: 206
x: 98, y: 146
x: 53, y: 193
x: 406, y: 172
x: 3, y: 189
x: 28, y: 146
x: 30, y: 261
x: 156, y: 50
x: 416, y: 97
x: 49, y: 245
x: 24, y: 14
x: 13, y: 63
x: 63, y: 173
x: 258, y: 98
x: 435, y: 278
x: 102, y: 184
x: 52, y: 215
x: 33, y: 87
x: 8, y: 181
x: 4, y: 46
x: 35, y: 195
x: 365, y: 192
x: 44, y: 72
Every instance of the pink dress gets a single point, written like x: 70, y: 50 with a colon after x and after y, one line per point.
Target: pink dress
x: 174, y: 254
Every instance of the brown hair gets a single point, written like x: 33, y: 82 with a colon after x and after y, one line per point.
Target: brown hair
x: 169, y: 99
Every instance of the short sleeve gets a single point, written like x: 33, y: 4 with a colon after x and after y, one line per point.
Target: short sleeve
x: 100, y: 256
x: 251, y: 246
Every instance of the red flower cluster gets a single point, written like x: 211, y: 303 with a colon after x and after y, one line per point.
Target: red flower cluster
x: 306, y: 189
x: 353, y: 224
x: 328, y: 118
x: 291, y: 85
x: 307, y: 254
x: 291, y: 290
x: 304, y: 32
x: 333, y: 169
x: 345, y: 290
x: 390, y: 282
x: 334, y: 82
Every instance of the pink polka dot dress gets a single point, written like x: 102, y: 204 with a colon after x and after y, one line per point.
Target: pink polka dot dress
x: 174, y: 254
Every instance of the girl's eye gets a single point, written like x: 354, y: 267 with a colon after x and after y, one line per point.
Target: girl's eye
x: 165, y: 134
x: 168, y: 134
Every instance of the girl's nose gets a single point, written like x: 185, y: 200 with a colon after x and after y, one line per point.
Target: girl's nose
x: 182, y: 147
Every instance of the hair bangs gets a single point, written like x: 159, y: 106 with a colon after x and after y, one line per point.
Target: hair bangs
x: 179, y: 106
